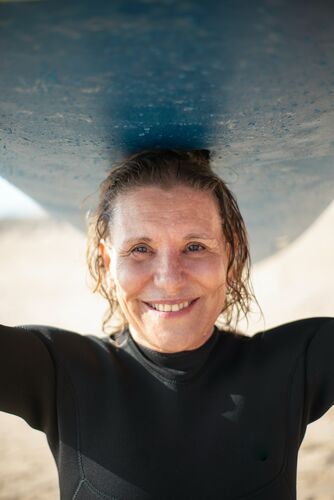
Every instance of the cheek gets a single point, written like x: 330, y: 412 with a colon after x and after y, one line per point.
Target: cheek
x: 130, y: 278
x: 211, y: 273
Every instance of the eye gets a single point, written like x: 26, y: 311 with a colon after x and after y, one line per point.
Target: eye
x: 140, y: 249
x: 195, y: 247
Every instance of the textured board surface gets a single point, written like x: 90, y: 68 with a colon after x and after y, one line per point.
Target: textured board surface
x: 84, y: 83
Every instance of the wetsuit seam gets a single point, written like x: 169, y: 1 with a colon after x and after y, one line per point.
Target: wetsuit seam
x: 181, y: 383
x: 288, y: 423
x: 285, y: 479
x: 81, y: 482
x: 95, y: 490
x: 78, y: 428
x: 285, y: 454
x: 78, y: 440
x: 306, y: 395
x: 172, y: 381
x: 293, y: 373
x: 84, y: 479
x: 58, y: 363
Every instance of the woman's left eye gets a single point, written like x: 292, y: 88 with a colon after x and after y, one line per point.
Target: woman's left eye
x: 195, y: 247
x: 140, y: 249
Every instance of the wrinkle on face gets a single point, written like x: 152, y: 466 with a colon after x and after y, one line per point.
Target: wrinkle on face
x: 165, y: 222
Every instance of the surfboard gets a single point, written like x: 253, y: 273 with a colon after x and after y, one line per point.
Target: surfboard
x: 85, y: 83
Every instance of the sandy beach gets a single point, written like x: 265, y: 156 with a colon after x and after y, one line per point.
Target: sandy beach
x: 44, y: 280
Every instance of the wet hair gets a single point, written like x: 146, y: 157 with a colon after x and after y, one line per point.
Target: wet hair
x: 167, y: 168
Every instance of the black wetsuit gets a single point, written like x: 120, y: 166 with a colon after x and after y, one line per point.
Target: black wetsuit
x: 222, y: 422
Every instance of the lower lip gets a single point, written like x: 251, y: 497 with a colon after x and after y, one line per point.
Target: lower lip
x: 173, y: 314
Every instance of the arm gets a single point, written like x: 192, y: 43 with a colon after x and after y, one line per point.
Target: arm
x: 320, y: 371
x: 27, y: 376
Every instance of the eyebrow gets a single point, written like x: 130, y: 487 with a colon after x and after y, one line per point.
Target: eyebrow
x: 190, y: 236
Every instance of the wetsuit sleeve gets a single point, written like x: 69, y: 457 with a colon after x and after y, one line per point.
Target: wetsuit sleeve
x: 320, y: 371
x: 27, y: 376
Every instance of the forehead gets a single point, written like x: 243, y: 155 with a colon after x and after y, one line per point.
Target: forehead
x: 181, y: 208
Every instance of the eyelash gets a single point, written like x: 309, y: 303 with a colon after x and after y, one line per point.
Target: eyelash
x: 135, y: 249
x: 197, y: 245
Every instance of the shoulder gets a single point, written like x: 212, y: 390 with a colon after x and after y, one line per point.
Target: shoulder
x: 282, y: 344
x: 62, y: 343
x: 301, y: 330
x: 294, y: 337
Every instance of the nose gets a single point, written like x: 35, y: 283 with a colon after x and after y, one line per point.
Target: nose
x: 169, y: 274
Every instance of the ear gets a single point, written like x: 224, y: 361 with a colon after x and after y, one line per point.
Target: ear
x: 105, y: 253
x: 104, y: 250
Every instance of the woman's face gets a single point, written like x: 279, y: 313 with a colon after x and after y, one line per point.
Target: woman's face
x: 167, y: 261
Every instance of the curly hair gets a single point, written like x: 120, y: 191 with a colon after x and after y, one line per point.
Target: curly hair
x: 167, y: 168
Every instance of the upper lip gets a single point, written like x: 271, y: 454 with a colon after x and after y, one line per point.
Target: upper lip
x: 169, y: 302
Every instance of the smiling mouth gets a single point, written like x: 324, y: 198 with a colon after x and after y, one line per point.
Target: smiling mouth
x: 170, y: 307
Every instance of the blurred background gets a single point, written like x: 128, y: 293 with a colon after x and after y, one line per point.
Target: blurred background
x: 44, y: 280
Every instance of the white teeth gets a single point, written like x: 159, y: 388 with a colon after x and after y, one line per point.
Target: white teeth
x: 170, y: 307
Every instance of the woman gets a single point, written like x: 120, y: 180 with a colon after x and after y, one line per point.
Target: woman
x: 169, y: 406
